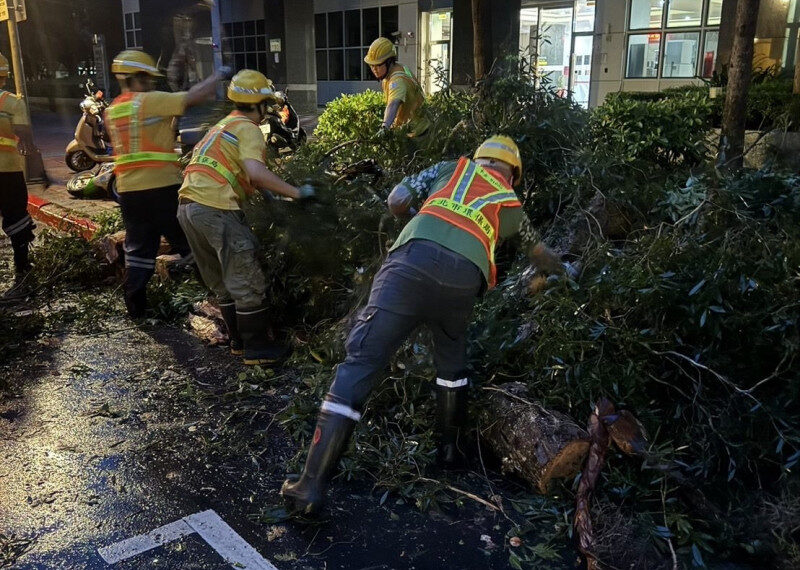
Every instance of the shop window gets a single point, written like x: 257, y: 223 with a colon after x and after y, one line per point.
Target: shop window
x: 714, y: 13
x: 646, y: 14
x: 353, y: 30
x: 390, y: 22
x: 684, y: 13
x: 709, y: 54
x: 246, y: 42
x: 335, y: 25
x: 643, y: 55
x: 133, y: 30
x: 680, y: 54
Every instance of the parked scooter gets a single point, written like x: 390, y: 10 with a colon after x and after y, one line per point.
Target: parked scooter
x: 91, y: 144
x: 99, y: 183
x: 281, y: 127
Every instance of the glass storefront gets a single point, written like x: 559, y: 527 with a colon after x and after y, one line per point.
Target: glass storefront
x: 556, y: 41
x: 436, y: 68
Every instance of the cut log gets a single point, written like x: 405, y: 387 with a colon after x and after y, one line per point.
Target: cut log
x: 533, y: 443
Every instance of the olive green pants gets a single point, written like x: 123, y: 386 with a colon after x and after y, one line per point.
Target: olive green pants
x: 224, y: 248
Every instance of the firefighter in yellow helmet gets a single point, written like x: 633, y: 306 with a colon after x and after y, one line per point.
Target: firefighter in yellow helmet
x: 17, y: 224
x: 227, y: 167
x: 148, y: 174
x: 402, y: 92
x: 437, y: 267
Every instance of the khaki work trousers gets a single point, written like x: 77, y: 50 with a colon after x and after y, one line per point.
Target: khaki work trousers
x: 225, y: 248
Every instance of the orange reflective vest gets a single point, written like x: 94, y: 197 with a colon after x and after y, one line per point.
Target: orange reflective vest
x: 133, y: 148
x: 471, y: 200
x: 215, y: 153
x: 8, y: 140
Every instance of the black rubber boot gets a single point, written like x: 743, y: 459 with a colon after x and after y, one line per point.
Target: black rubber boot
x: 136, y: 291
x: 451, y: 404
x: 258, y: 349
x: 228, y: 311
x: 22, y: 262
x: 306, y: 494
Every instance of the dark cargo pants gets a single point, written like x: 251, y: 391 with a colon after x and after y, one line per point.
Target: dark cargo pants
x: 147, y: 215
x: 17, y: 224
x: 420, y: 283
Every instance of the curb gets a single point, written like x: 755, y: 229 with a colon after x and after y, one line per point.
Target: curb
x: 60, y: 218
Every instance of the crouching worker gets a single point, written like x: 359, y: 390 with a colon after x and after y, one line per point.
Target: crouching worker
x: 439, y: 265
x: 227, y: 166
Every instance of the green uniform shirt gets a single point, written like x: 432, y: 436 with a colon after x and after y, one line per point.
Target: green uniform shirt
x: 414, y: 190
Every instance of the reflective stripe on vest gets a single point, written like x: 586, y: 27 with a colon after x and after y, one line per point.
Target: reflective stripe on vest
x: 471, y: 200
x: 7, y: 144
x: 130, y: 110
x: 201, y: 159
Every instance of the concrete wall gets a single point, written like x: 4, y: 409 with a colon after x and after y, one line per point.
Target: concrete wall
x: 301, y: 65
x: 407, y: 51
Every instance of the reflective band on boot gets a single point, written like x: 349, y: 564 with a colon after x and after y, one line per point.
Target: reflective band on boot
x: 451, y: 404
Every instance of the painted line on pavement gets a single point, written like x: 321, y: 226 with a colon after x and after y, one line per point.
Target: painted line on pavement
x: 211, y: 528
x: 132, y: 546
x: 222, y: 538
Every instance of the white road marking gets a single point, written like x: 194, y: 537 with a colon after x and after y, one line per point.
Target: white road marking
x: 144, y: 542
x: 222, y: 538
x: 211, y: 528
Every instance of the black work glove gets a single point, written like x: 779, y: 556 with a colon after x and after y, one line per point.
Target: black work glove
x: 307, y: 192
x: 382, y: 133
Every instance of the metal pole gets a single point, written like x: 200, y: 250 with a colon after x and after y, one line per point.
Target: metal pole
x: 34, y: 166
x: 16, y: 54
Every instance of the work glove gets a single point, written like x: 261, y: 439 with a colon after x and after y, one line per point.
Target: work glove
x: 226, y: 72
x: 382, y: 133
x: 307, y: 192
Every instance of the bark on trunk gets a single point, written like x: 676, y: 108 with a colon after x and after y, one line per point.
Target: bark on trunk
x: 727, y: 27
x: 731, y: 147
x: 796, y: 86
x: 478, y: 34
x: 533, y: 443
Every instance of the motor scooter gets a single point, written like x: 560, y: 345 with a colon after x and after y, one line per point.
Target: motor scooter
x: 90, y: 146
x: 281, y: 127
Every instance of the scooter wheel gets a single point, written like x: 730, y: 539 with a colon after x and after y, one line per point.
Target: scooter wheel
x: 78, y: 161
x: 77, y: 184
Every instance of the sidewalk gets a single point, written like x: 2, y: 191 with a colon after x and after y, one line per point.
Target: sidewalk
x: 54, y: 206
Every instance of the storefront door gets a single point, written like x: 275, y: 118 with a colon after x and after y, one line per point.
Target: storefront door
x: 556, y: 41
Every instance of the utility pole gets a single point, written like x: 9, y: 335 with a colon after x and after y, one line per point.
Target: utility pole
x: 16, y: 54
x: 34, y: 166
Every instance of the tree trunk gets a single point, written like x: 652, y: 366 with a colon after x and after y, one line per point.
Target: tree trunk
x: 478, y: 35
x: 796, y: 86
x: 727, y: 28
x: 533, y: 443
x: 731, y: 147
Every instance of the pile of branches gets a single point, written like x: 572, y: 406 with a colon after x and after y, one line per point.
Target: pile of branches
x: 684, y: 309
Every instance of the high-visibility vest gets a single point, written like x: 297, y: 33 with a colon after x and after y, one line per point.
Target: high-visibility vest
x: 215, y: 153
x: 8, y: 140
x: 133, y: 148
x: 471, y: 200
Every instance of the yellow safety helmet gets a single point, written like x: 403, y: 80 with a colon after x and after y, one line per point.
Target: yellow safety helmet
x: 3, y: 66
x: 502, y: 148
x: 131, y: 62
x: 250, y: 86
x: 380, y: 50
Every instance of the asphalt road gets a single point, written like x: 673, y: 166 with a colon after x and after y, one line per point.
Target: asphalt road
x: 109, y: 430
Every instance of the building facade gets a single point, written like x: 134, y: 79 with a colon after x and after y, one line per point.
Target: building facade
x: 584, y: 48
